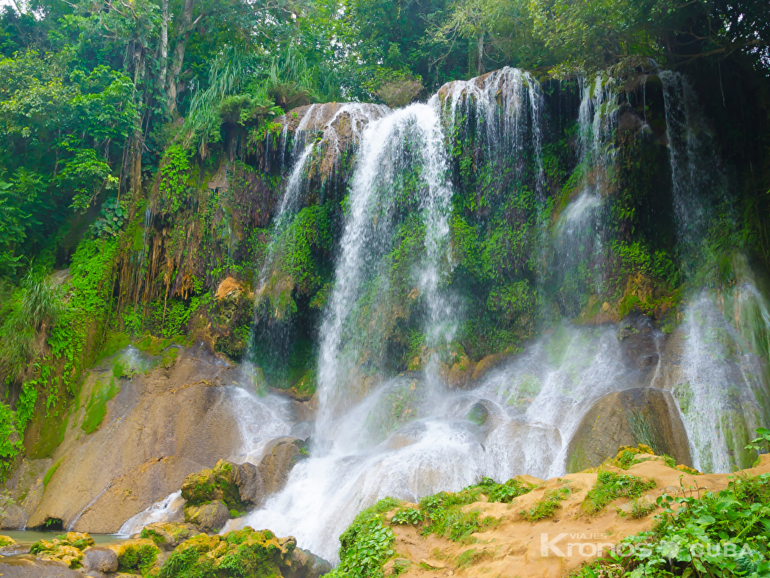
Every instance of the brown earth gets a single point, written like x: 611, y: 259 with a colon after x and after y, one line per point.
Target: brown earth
x: 513, y: 547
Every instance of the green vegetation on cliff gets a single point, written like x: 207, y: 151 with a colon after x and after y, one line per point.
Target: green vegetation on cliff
x: 142, y: 162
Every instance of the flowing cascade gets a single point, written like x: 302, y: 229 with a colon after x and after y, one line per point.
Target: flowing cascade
x: 408, y: 143
x: 318, y: 121
x: 697, y: 178
x: 507, y: 106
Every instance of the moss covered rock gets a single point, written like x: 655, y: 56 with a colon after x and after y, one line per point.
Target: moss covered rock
x: 627, y: 418
x: 136, y: 556
x: 6, y: 541
x: 238, y: 486
x: 169, y: 535
x: 209, y: 517
x: 67, y: 548
x: 240, y: 553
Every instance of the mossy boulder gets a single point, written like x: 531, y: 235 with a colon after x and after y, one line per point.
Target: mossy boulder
x: 246, y: 552
x: 238, y: 486
x: 169, y: 535
x: 208, y: 517
x: 67, y: 549
x: 627, y: 418
x: 6, y: 541
x: 136, y: 556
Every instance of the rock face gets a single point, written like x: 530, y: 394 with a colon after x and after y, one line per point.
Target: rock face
x: 628, y: 418
x: 26, y: 566
x: 145, y: 446
x: 13, y: 517
x: 26, y: 488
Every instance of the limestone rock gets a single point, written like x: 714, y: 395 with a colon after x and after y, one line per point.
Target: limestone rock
x: 27, y: 566
x: 628, y: 418
x: 209, y: 517
x: 236, y: 552
x: 13, y: 517
x: 135, y: 555
x: 304, y: 564
x: 279, y: 458
x: 487, y: 364
x: 168, y: 536
x: 145, y: 447
x: 461, y: 373
x: 100, y: 560
x: 26, y: 483
x: 238, y: 486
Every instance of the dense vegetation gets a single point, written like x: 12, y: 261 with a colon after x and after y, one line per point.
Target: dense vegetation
x: 117, y: 118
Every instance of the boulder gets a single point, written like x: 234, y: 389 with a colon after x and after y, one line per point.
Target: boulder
x: 135, y: 556
x: 209, y: 517
x: 628, y: 418
x: 461, y: 373
x: 168, y: 536
x: 101, y: 560
x: 279, y: 458
x: 145, y: 446
x: 233, y: 555
x: 237, y: 485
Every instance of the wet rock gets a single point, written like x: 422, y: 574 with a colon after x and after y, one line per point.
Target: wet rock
x: 487, y: 364
x: 304, y: 564
x: 478, y: 413
x: 27, y: 566
x: 13, y: 517
x: 627, y: 418
x: 280, y: 457
x: 101, y: 560
x: 168, y: 536
x: 209, y: 517
x: 461, y: 373
x: 637, y: 339
x: 145, y: 446
x: 6, y: 541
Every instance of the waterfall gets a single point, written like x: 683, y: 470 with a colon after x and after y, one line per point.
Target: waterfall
x: 507, y: 105
x: 408, y: 139
x: 698, y: 182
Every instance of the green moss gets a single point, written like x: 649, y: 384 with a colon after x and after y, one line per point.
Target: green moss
x: 546, y: 507
x: 139, y: 557
x: 234, y: 555
x: 51, y: 471
x: 114, y: 342
x: 96, y: 409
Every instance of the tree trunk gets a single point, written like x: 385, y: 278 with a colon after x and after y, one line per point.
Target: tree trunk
x: 163, y: 46
x: 186, y: 26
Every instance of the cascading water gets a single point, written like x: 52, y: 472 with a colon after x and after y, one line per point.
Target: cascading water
x: 387, y: 151
x: 697, y: 179
x: 408, y: 435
